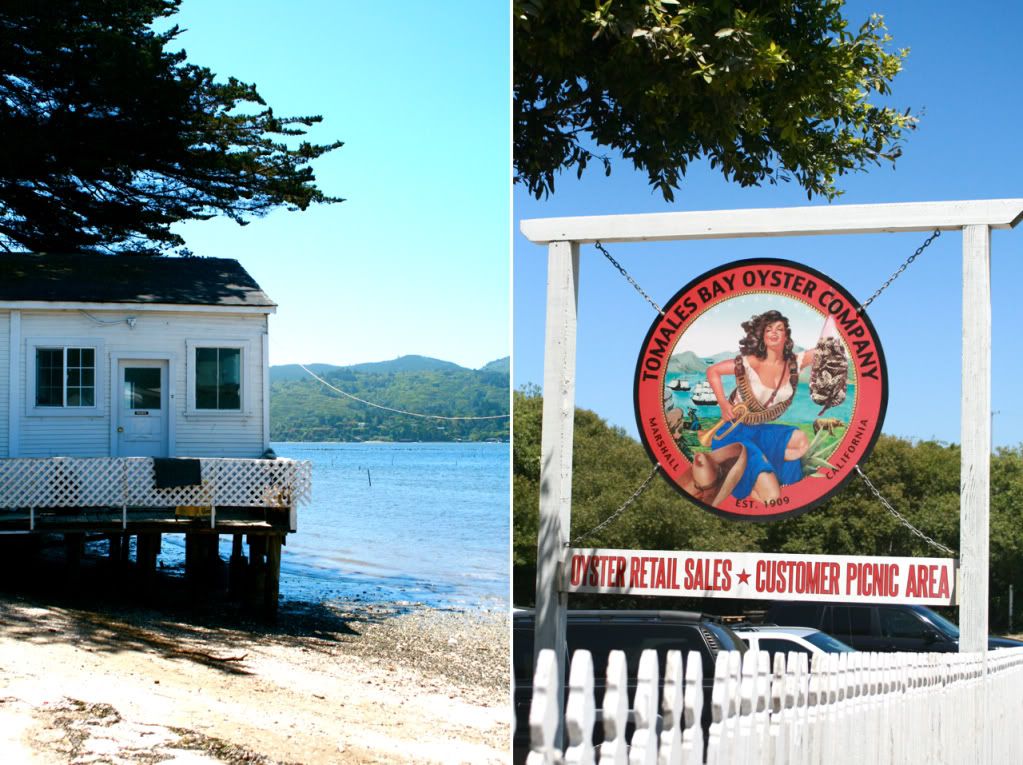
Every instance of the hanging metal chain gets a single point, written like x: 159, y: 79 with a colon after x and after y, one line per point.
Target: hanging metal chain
x: 622, y: 509
x: 901, y: 518
x: 903, y: 267
x: 887, y: 505
x: 631, y: 281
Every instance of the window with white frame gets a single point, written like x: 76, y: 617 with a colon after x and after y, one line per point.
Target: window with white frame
x: 218, y: 379
x: 65, y: 377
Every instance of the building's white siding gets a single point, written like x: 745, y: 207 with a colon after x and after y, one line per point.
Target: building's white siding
x: 220, y: 434
x: 5, y: 363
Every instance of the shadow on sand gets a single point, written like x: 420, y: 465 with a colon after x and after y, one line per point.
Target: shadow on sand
x: 103, y: 606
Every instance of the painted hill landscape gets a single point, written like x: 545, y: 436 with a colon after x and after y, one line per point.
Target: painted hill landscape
x: 303, y: 409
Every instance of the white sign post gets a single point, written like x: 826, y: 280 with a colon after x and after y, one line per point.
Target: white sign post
x: 563, y: 237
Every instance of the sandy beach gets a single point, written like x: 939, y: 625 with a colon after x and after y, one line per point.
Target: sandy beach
x: 112, y: 682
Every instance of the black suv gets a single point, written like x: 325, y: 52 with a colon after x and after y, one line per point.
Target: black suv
x: 869, y: 627
x: 600, y: 632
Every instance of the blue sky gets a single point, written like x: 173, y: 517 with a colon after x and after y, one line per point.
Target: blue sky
x: 961, y: 77
x: 416, y: 260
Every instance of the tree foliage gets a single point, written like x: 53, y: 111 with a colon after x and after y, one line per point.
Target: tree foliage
x: 767, y: 90
x: 111, y: 137
x: 921, y: 480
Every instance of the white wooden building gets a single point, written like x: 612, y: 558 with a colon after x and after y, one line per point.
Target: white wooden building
x: 134, y: 400
x: 132, y: 356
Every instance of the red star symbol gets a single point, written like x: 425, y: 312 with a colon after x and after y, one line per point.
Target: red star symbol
x: 743, y: 577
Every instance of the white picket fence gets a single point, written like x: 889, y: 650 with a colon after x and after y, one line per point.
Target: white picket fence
x: 874, y: 708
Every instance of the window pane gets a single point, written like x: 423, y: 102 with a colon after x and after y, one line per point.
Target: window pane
x: 81, y: 377
x: 142, y: 388
x: 896, y: 623
x: 205, y: 378
x: 852, y: 620
x: 230, y: 378
x: 49, y: 376
x: 218, y: 373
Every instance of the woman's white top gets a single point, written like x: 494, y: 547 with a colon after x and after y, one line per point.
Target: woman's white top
x: 762, y: 392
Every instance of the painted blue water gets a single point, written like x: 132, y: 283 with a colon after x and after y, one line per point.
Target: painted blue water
x: 803, y: 410
x: 397, y: 523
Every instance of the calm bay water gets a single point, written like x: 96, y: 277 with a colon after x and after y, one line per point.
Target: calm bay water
x: 418, y: 523
x: 802, y: 411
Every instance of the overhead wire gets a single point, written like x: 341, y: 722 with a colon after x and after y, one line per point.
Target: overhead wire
x: 392, y: 409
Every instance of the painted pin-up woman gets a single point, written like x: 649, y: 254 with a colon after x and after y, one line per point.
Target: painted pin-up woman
x: 766, y: 373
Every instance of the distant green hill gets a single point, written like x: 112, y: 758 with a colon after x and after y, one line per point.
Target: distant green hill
x: 501, y: 365
x: 687, y: 361
x: 303, y: 409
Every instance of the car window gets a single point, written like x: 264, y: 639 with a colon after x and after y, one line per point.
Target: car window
x: 796, y: 614
x: 774, y: 645
x: 522, y: 654
x: 943, y: 624
x: 827, y: 643
x: 896, y: 623
x: 850, y: 620
x: 602, y: 638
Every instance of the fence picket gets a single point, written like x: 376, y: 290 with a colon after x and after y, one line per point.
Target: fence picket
x: 672, y: 712
x: 692, y: 736
x: 614, y: 750
x: 644, y: 738
x: 717, y: 742
x: 580, y: 711
x: 763, y: 713
x: 544, y: 712
x: 883, y: 709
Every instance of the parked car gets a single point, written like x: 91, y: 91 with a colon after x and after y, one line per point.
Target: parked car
x: 602, y: 631
x: 787, y: 639
x: 871, y: 627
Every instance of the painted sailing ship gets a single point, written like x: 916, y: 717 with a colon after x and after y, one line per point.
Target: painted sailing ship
x: 703, y: 395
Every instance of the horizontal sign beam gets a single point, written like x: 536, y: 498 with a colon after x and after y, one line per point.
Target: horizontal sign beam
x: 779, y: 221
x: 762, y: 576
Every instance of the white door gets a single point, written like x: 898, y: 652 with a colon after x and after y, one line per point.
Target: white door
x: 142, y: 410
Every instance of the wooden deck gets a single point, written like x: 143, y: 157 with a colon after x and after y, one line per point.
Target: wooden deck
x: 255, y: 501
x: 168, y: 520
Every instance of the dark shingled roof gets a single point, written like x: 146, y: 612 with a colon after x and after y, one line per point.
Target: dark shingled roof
x: 128, y: 279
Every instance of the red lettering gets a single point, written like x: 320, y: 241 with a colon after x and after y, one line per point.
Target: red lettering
x: 673, y: 573
x: 659, y: 575
x: 636, y: 572
x: 943, y: 589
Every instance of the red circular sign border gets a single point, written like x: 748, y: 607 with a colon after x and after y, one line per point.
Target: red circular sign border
x: 860, y: 451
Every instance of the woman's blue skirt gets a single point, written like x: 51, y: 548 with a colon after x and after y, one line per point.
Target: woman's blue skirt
x: 765, y: 453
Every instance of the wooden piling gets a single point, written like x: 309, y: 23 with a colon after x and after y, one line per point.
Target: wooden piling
x: 256, y: 580
x: 115, y: 549
x: 147, y: 548
x: 74, y: 548
x: 272, y: 587
x: 237, y: 568
x: 191, y: 557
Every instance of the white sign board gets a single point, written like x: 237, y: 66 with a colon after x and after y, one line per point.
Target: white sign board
x: 750, y: 575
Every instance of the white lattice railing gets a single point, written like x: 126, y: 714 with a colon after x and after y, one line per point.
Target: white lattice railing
x: 845, y: 709
x: 122, y: 482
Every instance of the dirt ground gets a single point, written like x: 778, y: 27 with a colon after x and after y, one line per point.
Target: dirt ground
x: 102, y: 683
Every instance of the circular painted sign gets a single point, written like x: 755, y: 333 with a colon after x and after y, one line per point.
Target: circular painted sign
x: 760, y: 388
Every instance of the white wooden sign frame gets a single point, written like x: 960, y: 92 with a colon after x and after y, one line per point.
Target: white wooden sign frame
x: 564, y: 235
x: 761, y: 576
